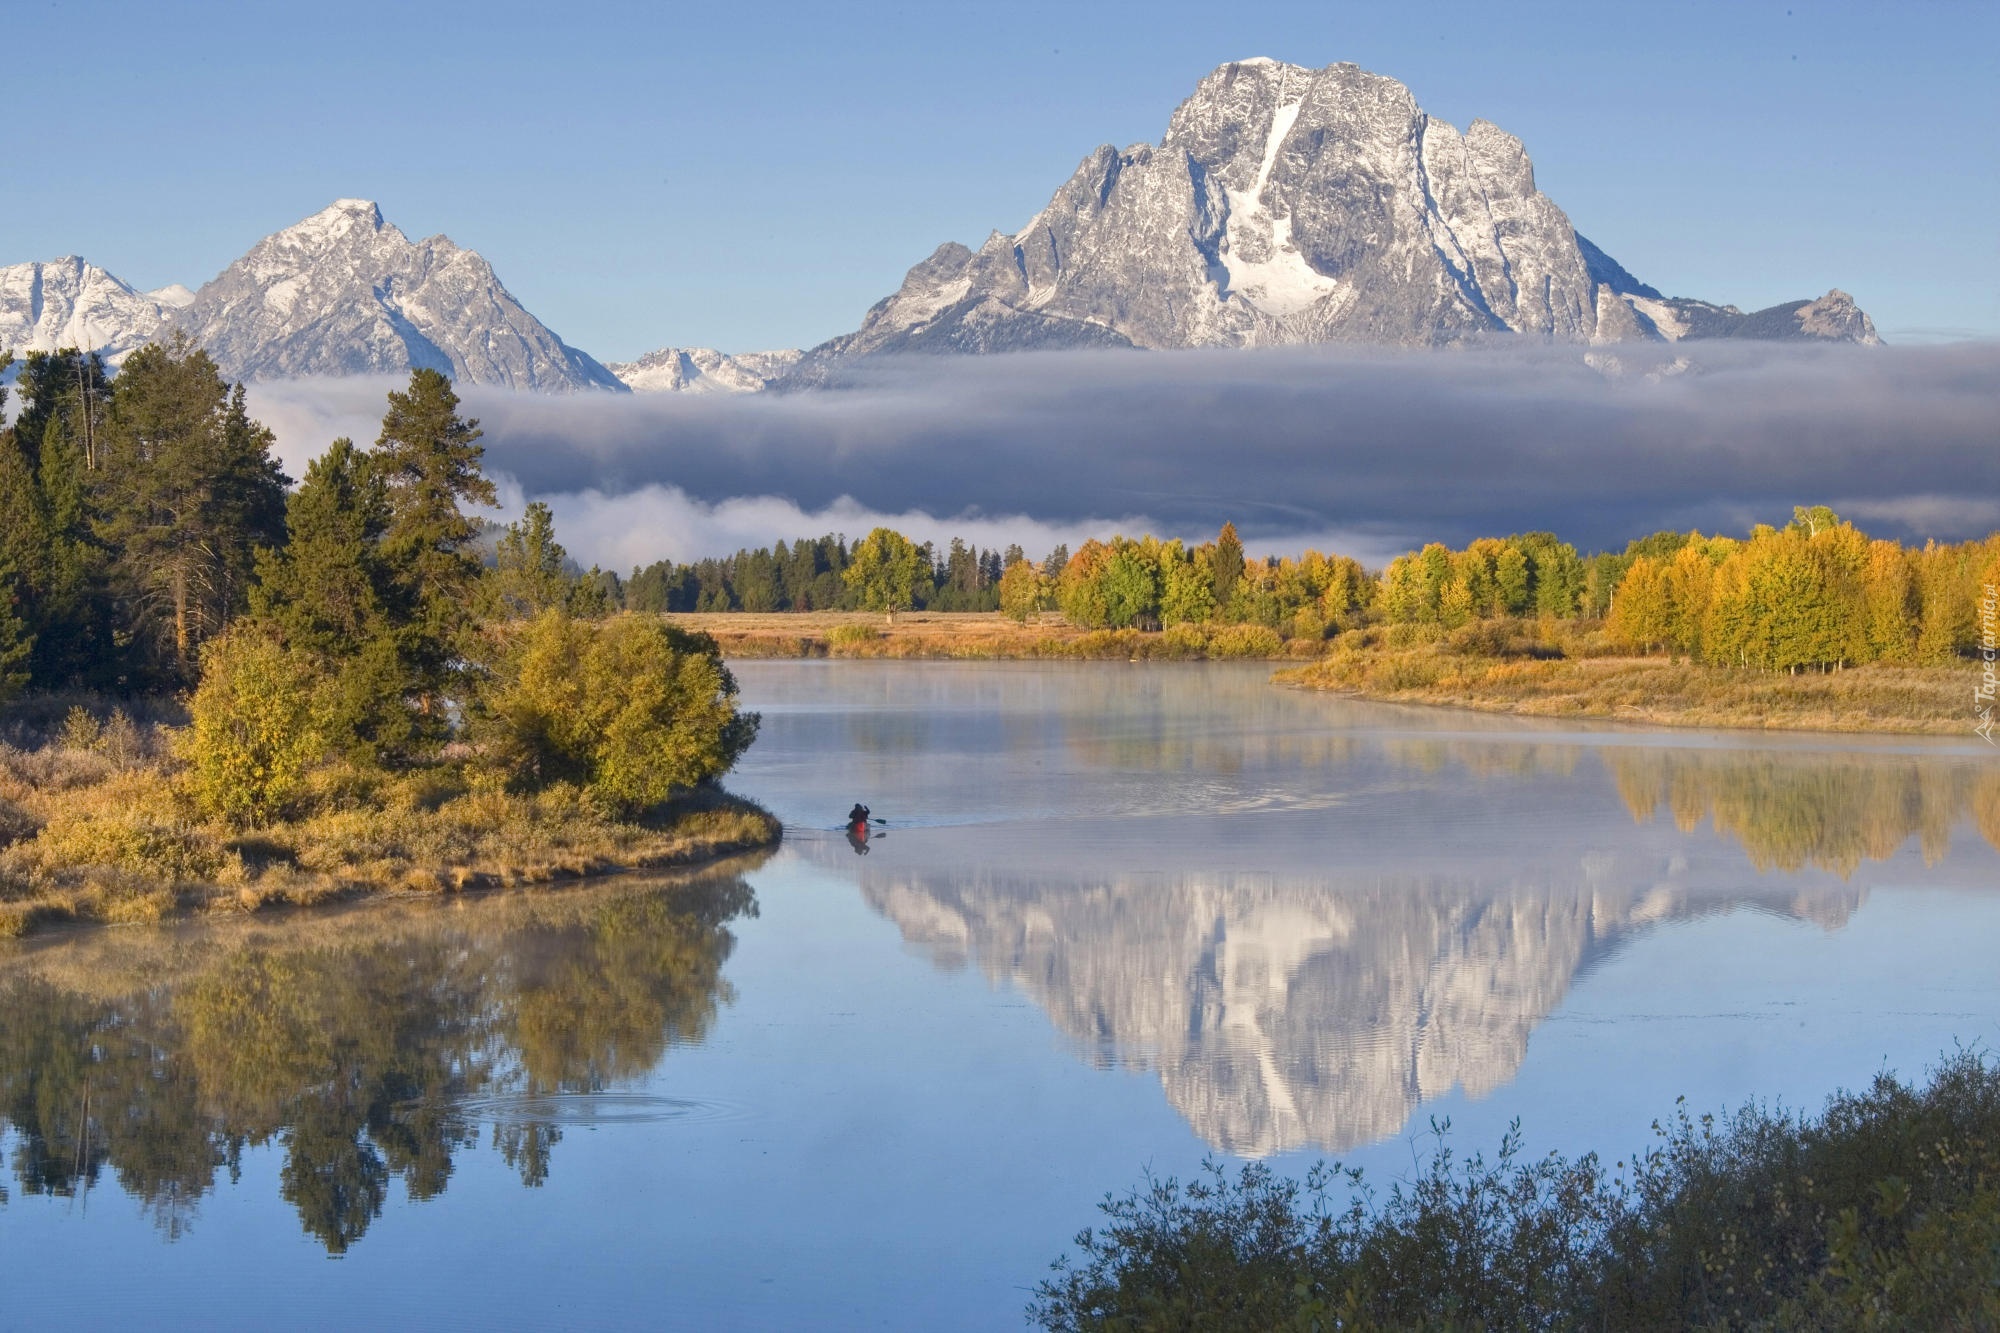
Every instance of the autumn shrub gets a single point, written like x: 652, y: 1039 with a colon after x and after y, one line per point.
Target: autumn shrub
x: 131, y: 822
x: 846, y: 636
x: 1187, y: 639
x: 1239, y: 641
x: 632, y: 709
x: 1881, y: 1212
x: 260, y: 718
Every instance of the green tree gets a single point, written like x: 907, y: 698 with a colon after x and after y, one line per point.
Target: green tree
x: 328, y: 592
x: 1226, y: 565
x: 530, y: 573
x: 70, y: 390
x: 630, y: 708
x: 883, y: 572
x: 17, y: 642
x: 1129, y: 584
x: 191, y: 491
x: 1511, y: 579
x: 1020, y: 589
x: 1187, y: 591
x: 429, y: 459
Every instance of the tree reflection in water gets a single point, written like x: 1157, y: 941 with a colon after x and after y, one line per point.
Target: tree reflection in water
x: 355, y: 1041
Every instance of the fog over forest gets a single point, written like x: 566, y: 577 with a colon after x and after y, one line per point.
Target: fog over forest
x: 1361, y: 451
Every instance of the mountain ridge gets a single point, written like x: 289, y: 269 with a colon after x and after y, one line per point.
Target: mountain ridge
x: 1286, y: 205
x: 344, y: 292
x: 1282, y: 206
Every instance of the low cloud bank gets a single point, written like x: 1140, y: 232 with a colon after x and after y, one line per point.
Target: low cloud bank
x: 1362, y: 451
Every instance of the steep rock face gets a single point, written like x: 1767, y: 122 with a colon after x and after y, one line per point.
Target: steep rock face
x: 1287, y: 205
x: 70, y: 303
x: 345, y: 293
x: 703, y: 370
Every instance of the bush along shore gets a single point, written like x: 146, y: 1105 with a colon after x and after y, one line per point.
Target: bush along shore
x: 1882, y: 1212
x: 229, y: 696
x: 1560, y: 670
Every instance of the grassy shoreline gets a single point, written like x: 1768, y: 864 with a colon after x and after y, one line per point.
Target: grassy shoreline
x: 976, y: 636
x: 1547, y: 682
x: 1934, y: 701
x: 104, y: 832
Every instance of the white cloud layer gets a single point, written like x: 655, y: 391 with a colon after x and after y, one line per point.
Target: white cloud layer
x: 1362, y: 451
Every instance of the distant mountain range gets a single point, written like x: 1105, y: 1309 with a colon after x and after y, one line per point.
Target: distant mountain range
x: 1283, y: 206
x: 341, y: 293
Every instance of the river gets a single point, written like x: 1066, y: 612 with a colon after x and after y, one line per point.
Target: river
x: 1116, y: 918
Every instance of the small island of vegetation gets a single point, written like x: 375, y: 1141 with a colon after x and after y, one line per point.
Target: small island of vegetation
x: 225, y: 696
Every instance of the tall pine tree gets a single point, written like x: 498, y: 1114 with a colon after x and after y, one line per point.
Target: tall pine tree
x: 530, y: 572
x: 17, y: 641
x: 190, y: 492
x: 429, y: 459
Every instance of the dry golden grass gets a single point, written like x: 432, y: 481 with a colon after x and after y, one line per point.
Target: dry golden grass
x: 1933, y: 700
x: 976, y: 635
x: 87, y: 838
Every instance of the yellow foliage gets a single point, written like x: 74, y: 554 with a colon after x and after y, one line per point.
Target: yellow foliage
x: 259, y: 723
x: 633, y: 710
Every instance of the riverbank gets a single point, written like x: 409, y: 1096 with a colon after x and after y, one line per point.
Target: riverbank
x: 1651, y: 690
x: 1546, y: 683
x: 977, y: 636
x: 107, y: 834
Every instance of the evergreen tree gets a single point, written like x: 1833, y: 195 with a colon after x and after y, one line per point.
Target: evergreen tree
x: 530, y: 573
x: 190, y: 492
x: 17, y: 642
x: 68, y: 387
x: 429, y: 459
x: 1226, y: 565
x: 328, y: 594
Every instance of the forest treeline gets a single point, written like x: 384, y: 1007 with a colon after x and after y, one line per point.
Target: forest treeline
x: 1817, y: 592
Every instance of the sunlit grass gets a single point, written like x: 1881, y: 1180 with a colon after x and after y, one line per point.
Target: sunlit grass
x: 102, y: 833
x: 1564, y: 674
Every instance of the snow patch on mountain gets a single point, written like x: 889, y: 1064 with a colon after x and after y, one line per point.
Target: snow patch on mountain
x: 69, y: 302
x: 704, y: 370
x: 345, y: 293
x: 1288, y: 205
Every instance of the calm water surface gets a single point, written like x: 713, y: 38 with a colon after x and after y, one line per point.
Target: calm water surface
x: 1122, y: 917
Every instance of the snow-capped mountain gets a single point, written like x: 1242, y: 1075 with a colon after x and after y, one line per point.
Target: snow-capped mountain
x: 704, y: 370
x: 1290, y: 205
x: 69, y: 303
x: 345, y: 293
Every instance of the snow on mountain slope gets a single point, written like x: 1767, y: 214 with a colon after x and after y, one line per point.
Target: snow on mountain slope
x: 70, y: 303
x: 703, y: 370
x: 1289, y: 205
x: 345, y: 293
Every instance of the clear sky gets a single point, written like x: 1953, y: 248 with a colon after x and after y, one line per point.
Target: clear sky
x: 755, y: 175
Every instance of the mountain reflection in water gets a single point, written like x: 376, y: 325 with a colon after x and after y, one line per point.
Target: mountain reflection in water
x: 373, y: 1044
x: 1369, y: 963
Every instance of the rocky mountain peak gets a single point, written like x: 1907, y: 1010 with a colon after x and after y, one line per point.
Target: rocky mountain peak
x: 344, y: 292
x: 1292, y: 205
x: 69, y: 302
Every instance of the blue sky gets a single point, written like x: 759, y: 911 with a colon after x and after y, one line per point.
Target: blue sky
x: 749, y: 176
